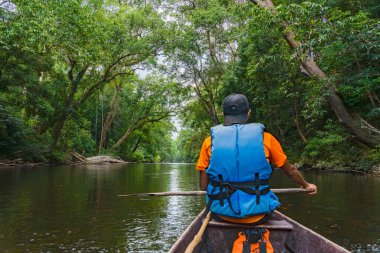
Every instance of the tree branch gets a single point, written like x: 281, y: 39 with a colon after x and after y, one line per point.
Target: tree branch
x: 89, y: 91
x: 136, y: 125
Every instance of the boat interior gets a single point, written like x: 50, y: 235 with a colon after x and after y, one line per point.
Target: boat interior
x: 220, y: 236
x: 286, y: 236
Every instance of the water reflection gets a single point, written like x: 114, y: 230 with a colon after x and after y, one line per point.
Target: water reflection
x: 65, y: 209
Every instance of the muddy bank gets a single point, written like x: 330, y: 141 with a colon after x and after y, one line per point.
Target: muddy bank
x: 75, y: 159
x: 364, y: 169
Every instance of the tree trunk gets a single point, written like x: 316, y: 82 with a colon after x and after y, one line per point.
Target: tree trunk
x: 374, y: 99
x: 208, y: 99
x: 138, y: 125
x: 297, y: 123
x: 59, y: 122
x: 215, y: 119
x: 75, y: 103
x: 207, y: 104
x: 123, y: 138
x: 136, y: 145
x: 353, y: 125
x: 106, y: 126
x: 57, y: 130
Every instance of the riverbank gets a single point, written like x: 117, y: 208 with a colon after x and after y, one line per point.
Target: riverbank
x: 18, y: 162
x: 355, y: 168
x: 76, y: 159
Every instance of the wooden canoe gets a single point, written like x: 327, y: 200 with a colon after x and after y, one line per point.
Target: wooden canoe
x: 286, y: 235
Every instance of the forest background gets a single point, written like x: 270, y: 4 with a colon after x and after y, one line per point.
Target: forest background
x: 111, y: 77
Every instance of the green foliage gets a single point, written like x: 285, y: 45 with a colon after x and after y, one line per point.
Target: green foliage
x: 78, y: 136
x: 268, y: 73
x: 137, y: 156
x: 346, y: 45
x: 55, y: 56
x: 327, y: 144
x: 157, y: 159
x: 67, y: 66
x: 141, y: 128
x: 72, y: 49
x: 57, y: 157
x: 373, y: 155
x: 188, y: 145
x: 17, y: 139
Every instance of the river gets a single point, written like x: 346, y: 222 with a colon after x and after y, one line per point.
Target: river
x: 76, y: 209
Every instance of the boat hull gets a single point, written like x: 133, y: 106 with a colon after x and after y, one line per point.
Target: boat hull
x: 286, y: 235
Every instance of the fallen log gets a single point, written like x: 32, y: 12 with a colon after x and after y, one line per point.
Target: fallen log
x: 103, y: 159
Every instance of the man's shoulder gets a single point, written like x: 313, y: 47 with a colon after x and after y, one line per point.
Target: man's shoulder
x: 269, y: 138
x: 268, y: 135
x: 207, y: 141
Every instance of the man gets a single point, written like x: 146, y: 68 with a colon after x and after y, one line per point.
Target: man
x: 234, y: 166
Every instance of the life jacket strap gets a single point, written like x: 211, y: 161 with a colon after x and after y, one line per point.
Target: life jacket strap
x: 240, y: 185
x: 246, y: 247
x: 224, y: 193
x: 263, y: 247
x: 226, y: 189
x: 257, y: 188
x: 254, y: 236
x: 229, y: 191
x: 246, y: 187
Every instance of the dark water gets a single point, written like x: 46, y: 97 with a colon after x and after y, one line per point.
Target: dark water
x: 76, y: 209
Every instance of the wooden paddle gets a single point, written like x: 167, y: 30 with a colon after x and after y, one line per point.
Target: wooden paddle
x: 195, y: 193
x: 198, y: 237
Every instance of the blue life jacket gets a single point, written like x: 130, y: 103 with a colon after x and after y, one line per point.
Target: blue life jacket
x: 239, y: 172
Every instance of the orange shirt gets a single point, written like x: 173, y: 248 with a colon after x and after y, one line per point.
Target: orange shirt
x: 273, y: 152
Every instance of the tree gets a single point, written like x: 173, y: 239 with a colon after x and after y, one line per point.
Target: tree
x: 114, y: 107
x: 204, y: 46
x: 148, y: 101
x: 367, y: 135
x: 91, y: 43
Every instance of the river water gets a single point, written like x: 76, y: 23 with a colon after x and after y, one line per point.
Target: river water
x: 76, y: 209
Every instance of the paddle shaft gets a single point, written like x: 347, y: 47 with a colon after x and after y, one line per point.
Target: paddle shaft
x: 196, y: 193
x: 198, y: 237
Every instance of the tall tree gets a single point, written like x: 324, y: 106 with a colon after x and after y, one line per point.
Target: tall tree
x: 363, y: 133
x: 204, y: 46
x: 114, y: 106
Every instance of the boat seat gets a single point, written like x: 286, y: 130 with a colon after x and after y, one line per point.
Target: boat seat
x: 272, y: 224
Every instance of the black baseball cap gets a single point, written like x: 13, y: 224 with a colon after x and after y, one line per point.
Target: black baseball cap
x: 235, y: 109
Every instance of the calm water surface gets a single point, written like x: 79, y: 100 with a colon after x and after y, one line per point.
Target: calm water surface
x: 76, y: 209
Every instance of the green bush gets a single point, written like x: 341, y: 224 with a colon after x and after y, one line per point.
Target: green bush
x: 137, y: 156
x: 373, y: 155
x: 329, y: 144
x: 157, y: 158
x: 18, y: 140
x: 77, y: 135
